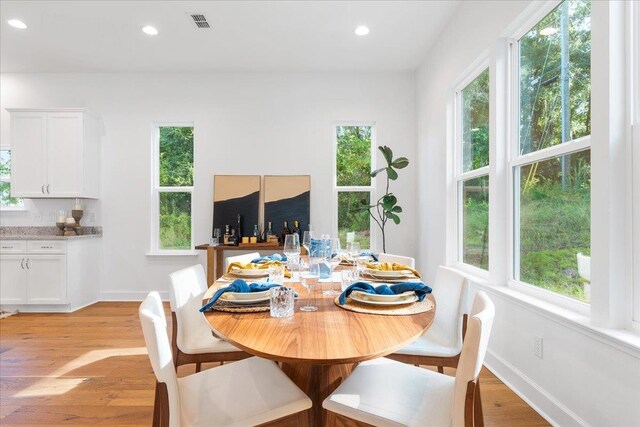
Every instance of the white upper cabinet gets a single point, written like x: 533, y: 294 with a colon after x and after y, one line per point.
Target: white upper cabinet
x: 54, y: 153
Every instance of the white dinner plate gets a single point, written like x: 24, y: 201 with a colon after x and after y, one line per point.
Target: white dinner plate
x: 405, y: 298
x: 230, y: 297
x: 249, y: 272
x: 396, y: 274
x: 250, y: 295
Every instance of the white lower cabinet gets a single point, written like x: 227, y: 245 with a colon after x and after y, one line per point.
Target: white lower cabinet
x: 13, y: 279
x: 49, y: 275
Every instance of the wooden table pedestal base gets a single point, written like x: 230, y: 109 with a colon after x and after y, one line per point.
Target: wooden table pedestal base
x: 318, y: 382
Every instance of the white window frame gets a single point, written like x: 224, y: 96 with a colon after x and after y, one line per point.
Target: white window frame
x: 515, y: 161
x: 156, y: 189
x: 371, y: 189
x: 11, y: 208
x: 478, y: 67
x: 633, y: 105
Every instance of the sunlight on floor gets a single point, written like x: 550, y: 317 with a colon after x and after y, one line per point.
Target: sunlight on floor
x: 53, y: 384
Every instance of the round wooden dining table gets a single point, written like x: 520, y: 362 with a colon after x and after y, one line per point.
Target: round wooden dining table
x: 318, y: 349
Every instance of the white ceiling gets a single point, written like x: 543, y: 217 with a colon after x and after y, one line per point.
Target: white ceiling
x: 106, y: 36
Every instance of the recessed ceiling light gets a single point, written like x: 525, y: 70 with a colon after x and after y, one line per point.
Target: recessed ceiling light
x: 362, y: 30
x: 549, y: 31
x: 150, y: 30
x: 16, y: 23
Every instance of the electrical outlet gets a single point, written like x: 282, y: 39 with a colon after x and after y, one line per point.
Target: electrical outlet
x: 37, y: 217
x: 537, y: 346
x: 92, y: 217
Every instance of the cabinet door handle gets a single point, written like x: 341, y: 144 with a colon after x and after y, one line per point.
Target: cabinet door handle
x: 22, y: 263
x: 47, y: 188
x: 42, y: 188
x: 28, y: 268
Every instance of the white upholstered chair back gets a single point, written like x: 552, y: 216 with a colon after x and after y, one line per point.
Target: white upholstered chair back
x: 154, y: 328
x: 584, y: 266
x: 246, y: 258
x: 185, y: 294
x: 450, y: 290
x: 404, y: 260
x: 473, y: 352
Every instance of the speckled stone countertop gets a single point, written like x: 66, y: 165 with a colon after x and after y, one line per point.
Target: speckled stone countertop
x: 45, y: 233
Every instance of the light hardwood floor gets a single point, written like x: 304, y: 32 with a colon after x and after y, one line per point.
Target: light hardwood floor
x: 91, y: 367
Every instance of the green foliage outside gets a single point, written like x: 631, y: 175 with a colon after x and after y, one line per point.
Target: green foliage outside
x: 351, y: 217
x: 176, y: 170
x: 353, y: 155
x: 475, y: 123
x: 541, y: 74
x: 5, y: 184
x: 475, y: 248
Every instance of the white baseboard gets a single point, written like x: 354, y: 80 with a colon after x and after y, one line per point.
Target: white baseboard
x: 129, y: 295
x: 542, y: 402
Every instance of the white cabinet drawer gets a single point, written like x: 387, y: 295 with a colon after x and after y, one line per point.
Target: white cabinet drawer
x: 46, y: 246
x: 13, y: 246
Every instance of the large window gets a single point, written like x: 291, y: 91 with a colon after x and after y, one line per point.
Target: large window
x: 354, y: 182
x: 472, y: 170
x: 551, y: 158
x: 6, y: 201
x: 173, y: 188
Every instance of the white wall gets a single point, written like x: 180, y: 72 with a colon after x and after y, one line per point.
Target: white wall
x: 245, y: 124
x: 584, y: 378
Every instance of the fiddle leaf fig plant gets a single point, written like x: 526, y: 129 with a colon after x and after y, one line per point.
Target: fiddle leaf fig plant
x: 386, y: 208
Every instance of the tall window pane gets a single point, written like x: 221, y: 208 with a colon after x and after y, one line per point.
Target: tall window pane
x: 555, y: 78
x: 353, y: 155
x: 175, y: 220
x: 352, y: 218
x: 555, y: 223
x: 475, y: 123
x: 5, y: 181
x: 176, y: 156
x: 475, y: 218
x: 174, y: 187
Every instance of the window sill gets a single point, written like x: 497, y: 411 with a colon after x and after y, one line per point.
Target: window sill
x: 624, y: 340
x: 172, y: 254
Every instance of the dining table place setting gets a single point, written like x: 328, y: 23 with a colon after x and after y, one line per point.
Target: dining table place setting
x: 388, y: 299
x: 243, y: 297
x: 385, y: 272
x: 258, y: 268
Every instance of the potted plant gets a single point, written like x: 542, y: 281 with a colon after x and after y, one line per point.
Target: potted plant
x: 386, y: 208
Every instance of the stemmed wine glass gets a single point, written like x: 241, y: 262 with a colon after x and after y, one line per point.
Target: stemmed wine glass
x: 306, y: 239
x: 292, y: 249
x: 309, y: 279
x: 334, y: 260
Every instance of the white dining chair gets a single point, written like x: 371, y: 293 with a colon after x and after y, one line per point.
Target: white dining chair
x: 404, y: 260
x: 442, y: 343
x: 384, y: 392
x: 244, y: 259
x: 245, y: 393
x: 191, y: 337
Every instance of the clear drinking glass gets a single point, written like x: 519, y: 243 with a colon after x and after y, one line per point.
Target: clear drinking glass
x: 309, y: 279
x: 354, y: 249
x: 292, y: 248
x: 348, y: 278
x: 306, y: 239
x: 281, y: 301
x: 334, y: 260
x: 276, y: 273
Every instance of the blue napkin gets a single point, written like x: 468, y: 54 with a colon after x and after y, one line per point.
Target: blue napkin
x: 274, y: 257
x: 419, y: 288
x: 241, y: 286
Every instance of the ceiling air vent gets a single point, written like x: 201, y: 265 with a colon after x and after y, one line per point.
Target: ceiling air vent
x: 200, y: 20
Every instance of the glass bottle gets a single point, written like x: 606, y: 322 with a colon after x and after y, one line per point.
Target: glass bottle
x: 256, y: 233
x: 269, y: 235
x: 227, y: 234
x: 296, y: 228
x: 285, y: 230
x: 239, y: 229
